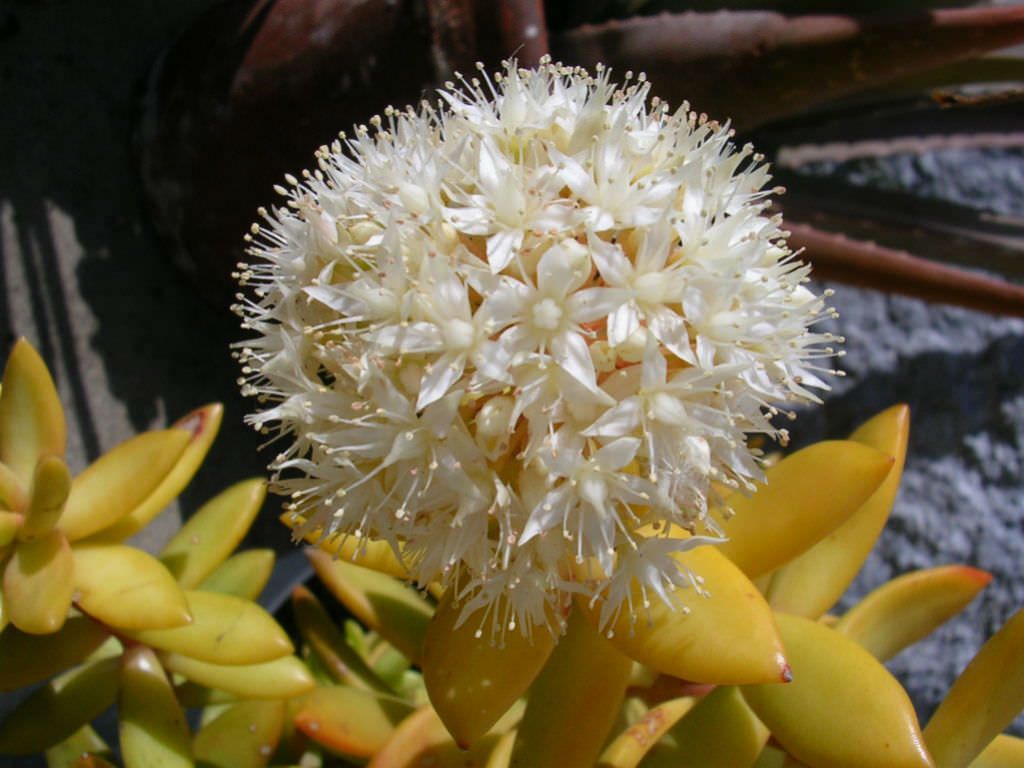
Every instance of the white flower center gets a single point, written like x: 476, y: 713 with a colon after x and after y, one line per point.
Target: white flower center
x: 458, y: 334
x: 547, y: 314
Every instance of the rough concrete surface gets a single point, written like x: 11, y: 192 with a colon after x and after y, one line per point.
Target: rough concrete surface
x: 132, y: 348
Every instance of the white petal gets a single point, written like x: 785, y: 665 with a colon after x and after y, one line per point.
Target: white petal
x: 618, y: 453
x: 413, y: 338
x: 595, y: 303
x: 551, y: 511
x: 444, y: 372
x: 622, y: 323
x: 619, y: 420
x: 670, y: 329
x: 572, y: 354
x: 502, y: 247
x: 611, y: 262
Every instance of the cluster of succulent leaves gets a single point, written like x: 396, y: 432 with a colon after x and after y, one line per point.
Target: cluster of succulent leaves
x: 755, y: 673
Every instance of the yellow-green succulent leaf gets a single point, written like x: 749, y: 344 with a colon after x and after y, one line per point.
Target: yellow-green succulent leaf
x: 245, y: 735
x: 721, y: 731
x: 349, y: 720
x: 573, y: 704
x: 212, y: 534
x: 90, y: 760
x: 472, y: 677
x: 69, y: 753
x: 278, y: 679
x: 906, y: 609
x: 114, y: 484
x: 422, y: 740
x: 842, y: 709
x: 13, y: 492
x: 724, y: 635
x: 631, y: 746
x: 1003, y: 751
x: 224, y: 630
x: 127, y: 588
x: 811, y: 583
x: 51, y: 483
x: 4, y: 620
x: 383, y: 603
x: 152, y: 729
x: 194, y: 696
x: 26, y: 659
x: 242, y: 575
x: 771, y: 757
x: 501, y: 755
x: 39, y: 583
x: 985, y: 698
x: 807, y: 495
x: 59, y: 708
x: 202, y: 425
x: 327, y: 642
x: 10, y: 524
x: 372, y: 554
x: 31, y: 416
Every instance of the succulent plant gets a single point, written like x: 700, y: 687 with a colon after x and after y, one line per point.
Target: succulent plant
x: 686, y: 689
x: 110, y: 623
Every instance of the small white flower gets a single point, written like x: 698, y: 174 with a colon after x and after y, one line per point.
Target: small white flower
x: 518, y: 333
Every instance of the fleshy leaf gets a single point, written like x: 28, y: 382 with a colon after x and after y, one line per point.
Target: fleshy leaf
x: 243, y: 575
x: 985, y: 698
x: 573, y: 703
x: 278, y: 679
x: 906, y: 609
x: 114, y: 484
x: 422, y: 740
x: 61, y: 707
x: 127, y: 588
x: 384, y: 604
x: 327, y: 642
x: 842, y: 709
x: 375, y: 555
x: 211, y: 534
x: 349, y: 720
x: 51, y: 483
x: 244, y: 736
x: 471, y: 678
x: 10, y: 524
x: 634, y: 744
x: 202, y: 424
x: 69, y: 753
x: 225, y: 630
x: 152, y: 730
x: 726, y: 637
x: 807, y: 495
x: 38, y: 584
x: 1002, y: 752
x: 31, y: 416
x: 720, y: 732
x: 26, y: 659
x: 811, y: 583
x: 13, y: 492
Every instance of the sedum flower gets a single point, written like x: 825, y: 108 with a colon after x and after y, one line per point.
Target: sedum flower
x: 523, y: 333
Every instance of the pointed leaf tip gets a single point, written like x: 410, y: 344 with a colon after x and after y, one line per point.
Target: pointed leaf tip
x: 807, y: 495
x: 725, y: 636
x: 113, y: 485
x: 842, y: 709
x: 31, y: 416
x: 472, y: 680
x: 812, y: 582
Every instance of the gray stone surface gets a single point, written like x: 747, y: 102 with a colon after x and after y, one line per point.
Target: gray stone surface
x: 131, y: 347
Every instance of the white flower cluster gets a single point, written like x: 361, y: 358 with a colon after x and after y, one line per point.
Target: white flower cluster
x: 520, y: 332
